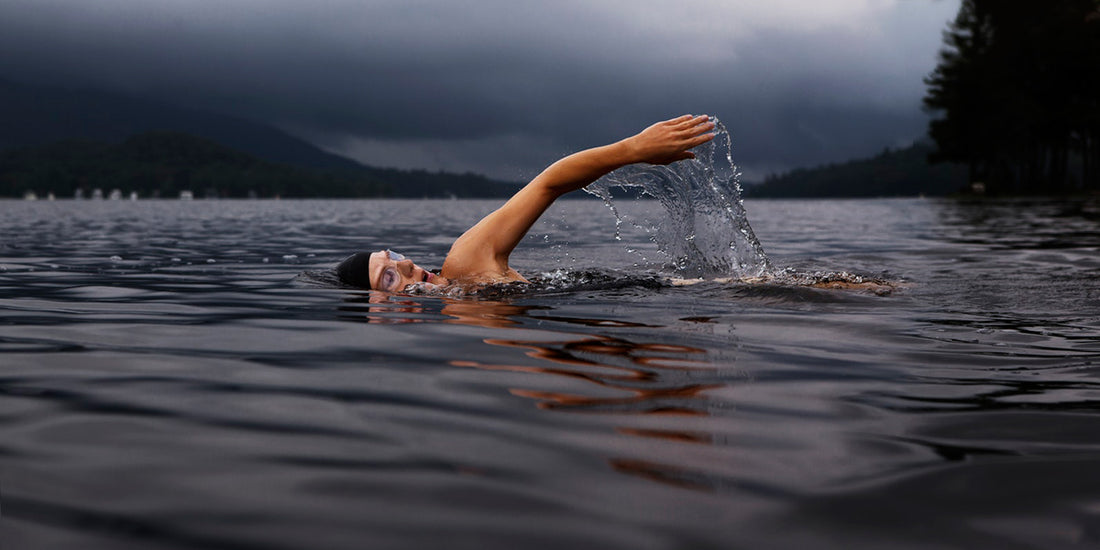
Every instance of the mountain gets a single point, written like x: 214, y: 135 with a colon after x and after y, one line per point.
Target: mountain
x: 38, y: 115
x: 891, y: 173
x: 164, y: 164
x: 34, y: 116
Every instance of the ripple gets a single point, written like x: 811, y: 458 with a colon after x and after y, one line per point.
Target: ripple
x: 164, y: 401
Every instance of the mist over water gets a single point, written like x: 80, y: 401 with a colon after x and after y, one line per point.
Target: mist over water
x: 706, y: 232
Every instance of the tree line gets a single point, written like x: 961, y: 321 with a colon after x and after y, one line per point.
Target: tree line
x: 163, y: 164
x: 901, y: 172
x: 1017, y: 92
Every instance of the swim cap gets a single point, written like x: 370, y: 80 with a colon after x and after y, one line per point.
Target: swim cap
x: 355, y: 270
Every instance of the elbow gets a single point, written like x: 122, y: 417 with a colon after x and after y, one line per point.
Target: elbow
x: 547, y: 190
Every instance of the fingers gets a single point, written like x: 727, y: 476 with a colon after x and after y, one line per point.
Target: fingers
x: 669, y: 141
x: 704, y: 124
x: 689, y: 121
x: 684, y: 122
x: 696, y: 127
x: 697, y: 132
x: 700, y: 139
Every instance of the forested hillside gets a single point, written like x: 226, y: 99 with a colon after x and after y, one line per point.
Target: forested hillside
x: 162, y: 164
x: 891, y: 173
x: 58, y: 140
x: 1017, y: 95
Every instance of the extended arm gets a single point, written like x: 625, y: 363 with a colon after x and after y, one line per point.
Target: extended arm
x: 482, y: 251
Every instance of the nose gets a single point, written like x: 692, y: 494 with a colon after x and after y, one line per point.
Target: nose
x: 405, y: 267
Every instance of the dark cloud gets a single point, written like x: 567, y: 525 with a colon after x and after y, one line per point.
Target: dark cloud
x: 503, y: 87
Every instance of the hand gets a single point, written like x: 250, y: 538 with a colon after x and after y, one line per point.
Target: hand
x: 669, y: 141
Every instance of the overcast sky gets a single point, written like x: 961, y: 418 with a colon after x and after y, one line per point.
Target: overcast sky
x: 504, y: 87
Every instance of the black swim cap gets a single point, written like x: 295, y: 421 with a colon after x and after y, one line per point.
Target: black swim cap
x: 355, y: 270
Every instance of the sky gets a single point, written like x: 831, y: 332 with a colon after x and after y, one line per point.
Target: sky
x: 505, y: 87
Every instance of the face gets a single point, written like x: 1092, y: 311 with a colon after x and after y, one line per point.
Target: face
x: 392, y: 272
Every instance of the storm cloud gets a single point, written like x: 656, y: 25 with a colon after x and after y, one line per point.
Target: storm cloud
x: 504, y: 87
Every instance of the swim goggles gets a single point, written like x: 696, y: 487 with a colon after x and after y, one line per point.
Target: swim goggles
x: 390, y: 279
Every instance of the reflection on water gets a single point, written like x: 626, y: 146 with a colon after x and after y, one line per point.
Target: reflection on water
x: 656, y: 377
x: 643, y: 378
x: 630, y: 379
x: 626, y: 377
x: 1034, y: 224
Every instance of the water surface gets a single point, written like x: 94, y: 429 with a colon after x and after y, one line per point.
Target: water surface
x: 168, y: 379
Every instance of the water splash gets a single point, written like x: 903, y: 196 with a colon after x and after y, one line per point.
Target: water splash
x: 706, y: 232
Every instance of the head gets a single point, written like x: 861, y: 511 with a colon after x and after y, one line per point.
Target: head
x: 384, y: 270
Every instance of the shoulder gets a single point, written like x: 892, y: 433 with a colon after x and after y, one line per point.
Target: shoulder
x: 472, y: 260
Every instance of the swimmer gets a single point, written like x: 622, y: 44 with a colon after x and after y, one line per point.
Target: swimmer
x: 480, y: 255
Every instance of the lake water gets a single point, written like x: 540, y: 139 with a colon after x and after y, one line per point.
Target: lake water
x: 177, y: 375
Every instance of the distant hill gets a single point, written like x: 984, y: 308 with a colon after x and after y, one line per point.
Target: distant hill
x: 162, y: 164
x: 38, y: 116
x: 59, y: 118
x: 892, y: 173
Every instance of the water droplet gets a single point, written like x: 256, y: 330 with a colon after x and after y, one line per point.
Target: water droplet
x: 704, y: 232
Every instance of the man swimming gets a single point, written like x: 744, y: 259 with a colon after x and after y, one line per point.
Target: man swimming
x: 480, y: 255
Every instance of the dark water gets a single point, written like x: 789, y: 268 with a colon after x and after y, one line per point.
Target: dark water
x: 167, y: 380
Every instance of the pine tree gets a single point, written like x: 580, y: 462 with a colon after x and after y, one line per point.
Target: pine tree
x: 1018, y: 89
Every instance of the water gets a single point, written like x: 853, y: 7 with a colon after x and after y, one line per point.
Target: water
x: 704, y: 230
x: 168, y: 379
